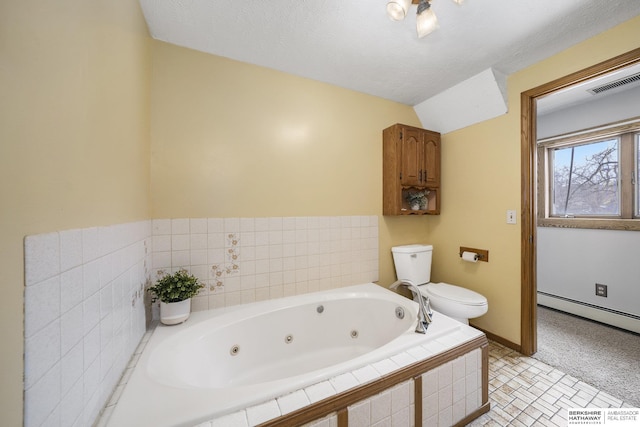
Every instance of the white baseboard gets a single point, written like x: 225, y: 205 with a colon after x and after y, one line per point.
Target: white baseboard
x: 610, y: 318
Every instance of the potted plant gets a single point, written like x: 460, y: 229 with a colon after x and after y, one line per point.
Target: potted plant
x: 174, y: 292
x: 417, y: 199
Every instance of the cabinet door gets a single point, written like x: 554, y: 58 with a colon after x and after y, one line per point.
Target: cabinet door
x: 411, y: 156
x: 431, y: 156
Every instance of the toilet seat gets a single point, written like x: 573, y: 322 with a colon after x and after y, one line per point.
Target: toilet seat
x: 455, y: 294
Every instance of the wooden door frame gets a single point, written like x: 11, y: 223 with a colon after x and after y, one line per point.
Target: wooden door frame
x: 528, y: 317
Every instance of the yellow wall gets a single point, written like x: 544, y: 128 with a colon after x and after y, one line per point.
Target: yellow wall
x: 229, y: 139
x: 74, y: 139
x: 232, y: 139
x: 481, y: 180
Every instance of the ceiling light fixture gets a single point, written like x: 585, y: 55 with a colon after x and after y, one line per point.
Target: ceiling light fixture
x: 426, y: 21
x: 397, y: 9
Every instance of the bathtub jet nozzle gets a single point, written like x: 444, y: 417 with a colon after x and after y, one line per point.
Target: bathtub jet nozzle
x: 425, y: 315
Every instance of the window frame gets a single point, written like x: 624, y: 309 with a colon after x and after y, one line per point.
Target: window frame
x: 628, y: 131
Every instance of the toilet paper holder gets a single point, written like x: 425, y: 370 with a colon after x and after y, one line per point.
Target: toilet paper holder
x: 483, y: 254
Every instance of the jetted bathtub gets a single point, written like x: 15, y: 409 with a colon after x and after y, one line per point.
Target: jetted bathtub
x: 221, y: 361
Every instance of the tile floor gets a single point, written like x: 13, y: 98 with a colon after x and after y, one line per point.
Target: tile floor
x: 526, y: 392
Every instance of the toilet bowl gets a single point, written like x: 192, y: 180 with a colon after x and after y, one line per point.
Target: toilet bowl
x: 413, y: 263
x: 459, y: 303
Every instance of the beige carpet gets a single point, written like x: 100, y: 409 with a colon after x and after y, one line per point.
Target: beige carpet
x: 605, y: 357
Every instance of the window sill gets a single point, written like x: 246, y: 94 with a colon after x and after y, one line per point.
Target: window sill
x: 595, y: 223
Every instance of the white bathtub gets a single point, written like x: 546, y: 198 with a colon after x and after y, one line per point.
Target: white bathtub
x: 222, y: 361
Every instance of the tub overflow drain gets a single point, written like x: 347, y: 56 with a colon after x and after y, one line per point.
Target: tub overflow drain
x: 320, y: 308
x: 354, y: 334
x: 235, y: 350
x: 400, y: 312
x: 288, y: 339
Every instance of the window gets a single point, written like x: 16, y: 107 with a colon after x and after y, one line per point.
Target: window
x: 585, y: 179
x: 588, y: 178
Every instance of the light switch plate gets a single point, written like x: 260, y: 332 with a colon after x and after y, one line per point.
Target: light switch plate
x: 511, y: 216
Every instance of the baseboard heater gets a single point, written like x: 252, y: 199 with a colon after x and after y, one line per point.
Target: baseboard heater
x: 619, y: 319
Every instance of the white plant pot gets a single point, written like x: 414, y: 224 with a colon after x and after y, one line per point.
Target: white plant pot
x: 173, y: 313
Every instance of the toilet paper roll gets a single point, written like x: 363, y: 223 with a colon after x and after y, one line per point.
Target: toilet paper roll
x: 469, y: 256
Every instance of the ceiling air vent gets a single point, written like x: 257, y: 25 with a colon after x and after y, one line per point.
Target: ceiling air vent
x: 634, y: 78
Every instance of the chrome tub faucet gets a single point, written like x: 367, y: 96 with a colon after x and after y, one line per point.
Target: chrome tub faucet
x: 425, y: 315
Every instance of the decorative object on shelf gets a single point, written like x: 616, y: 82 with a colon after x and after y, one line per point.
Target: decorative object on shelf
x: 174, y: 292
x: 417, y: 199
x: 426, y: 21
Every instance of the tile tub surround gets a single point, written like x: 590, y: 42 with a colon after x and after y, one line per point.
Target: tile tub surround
x: 78, y: 341
x: 448, y: 393
x: 243, y: 260
x: 84, y: 317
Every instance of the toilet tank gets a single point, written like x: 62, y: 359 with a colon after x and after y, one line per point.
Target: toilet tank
x: 413, y: 262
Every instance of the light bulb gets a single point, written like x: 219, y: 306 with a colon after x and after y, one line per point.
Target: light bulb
x: 397, y: 9
x: 426, y: 21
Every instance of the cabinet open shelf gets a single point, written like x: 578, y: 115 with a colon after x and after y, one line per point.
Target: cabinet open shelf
x: 429, y: 207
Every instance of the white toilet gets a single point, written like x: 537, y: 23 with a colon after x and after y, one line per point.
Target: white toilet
x: 413, y: 263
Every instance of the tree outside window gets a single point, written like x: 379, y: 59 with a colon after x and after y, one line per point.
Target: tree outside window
x: 586, y: 179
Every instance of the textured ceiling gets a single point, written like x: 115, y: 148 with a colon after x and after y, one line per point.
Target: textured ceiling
x: 353, y: 44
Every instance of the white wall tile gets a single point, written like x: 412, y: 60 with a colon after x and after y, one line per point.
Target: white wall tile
x: 458, y: 390
x: 344, y: 382
x: 366, y: 374
x: 198, y: 225
x: 458, y: 410
x: 179, y: 226
x: 380, y: 406
x: 292, y: 401
x: 72, y: 367
x: 445, y: 416
x: 71, y: 289
x: 403, y: 359
x: 71, y: 328
x: 445, y: 397
x: 360, y: 414
x: 384, y: 366
x: 429, y: 407
x: 237, y: 419
x: 91, y: 312
x: 472, y: 402
x: 44, y: 305
x: 71, y: 405
x: 100, y: 270
x: 161, y: 226
x: 263, y: 412
x: 401, y: 396
x: 403, y: 417
x: 215, y: 225
x: 41, y: 399
x: 180, y: 242
x: 42, y: 257
x: 319, y: 391
x: 261, y: 224
x: 91, y: 278
x: 70, y: 249
x: 231, y: 225
x: 42, y: 352
x: 161, y: 243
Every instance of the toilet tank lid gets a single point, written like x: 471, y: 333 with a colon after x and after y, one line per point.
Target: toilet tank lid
x: 409, y: 249
x: 456, y: 293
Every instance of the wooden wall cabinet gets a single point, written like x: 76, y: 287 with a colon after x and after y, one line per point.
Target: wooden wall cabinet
x: 411, y: 164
